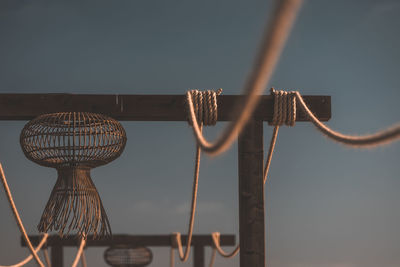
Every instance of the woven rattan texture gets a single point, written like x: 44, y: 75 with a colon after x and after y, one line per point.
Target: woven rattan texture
x: 72, y: 138
x: 128, y: 256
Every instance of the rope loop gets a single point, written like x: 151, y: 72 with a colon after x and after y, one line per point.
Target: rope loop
x: 204, y: 104
x: 284, y: 107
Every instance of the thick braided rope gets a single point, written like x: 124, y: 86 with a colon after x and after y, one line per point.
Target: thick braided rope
x: 206, y: 112
x: 29, y: 258
x: 204, y: 105
x: 272, y: 45
x: 18, y: 218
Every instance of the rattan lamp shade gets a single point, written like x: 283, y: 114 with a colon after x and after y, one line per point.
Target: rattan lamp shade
x: 73, y: 143
x: 125, y: 256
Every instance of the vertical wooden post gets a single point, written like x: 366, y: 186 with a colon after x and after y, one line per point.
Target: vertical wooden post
x: 251, y: 196
x: 198, y: 257
x: 57, y: 257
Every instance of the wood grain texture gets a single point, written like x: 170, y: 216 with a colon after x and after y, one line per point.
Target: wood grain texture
x: 251, y: 196
x: 140, y: 107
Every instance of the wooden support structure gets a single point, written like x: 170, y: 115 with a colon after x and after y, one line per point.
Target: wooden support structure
x: 251, y: 195
x: 172, y: 108
x: 140, y: 107
x: 199, y: 242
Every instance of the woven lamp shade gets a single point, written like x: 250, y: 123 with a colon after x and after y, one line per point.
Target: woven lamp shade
x: 73, y: 143
x: 125, y: 256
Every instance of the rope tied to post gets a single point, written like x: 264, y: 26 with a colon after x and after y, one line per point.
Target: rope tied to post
x: 284, y: 107
x: 205, y: 106
x: 205, y: 112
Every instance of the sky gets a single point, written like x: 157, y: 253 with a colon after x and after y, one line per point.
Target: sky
x: 327, y: 205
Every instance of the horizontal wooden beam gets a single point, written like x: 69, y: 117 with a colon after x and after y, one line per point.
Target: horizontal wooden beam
x: 133, y: 240
x: 140, y: 107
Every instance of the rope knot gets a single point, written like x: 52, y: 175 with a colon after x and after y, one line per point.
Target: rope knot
x: 205, y: 106
x: 284, y: 107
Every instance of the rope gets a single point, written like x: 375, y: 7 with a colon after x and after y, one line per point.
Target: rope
x: 18, y: 218
x: 46, y: 257
x: 213, y: 255
x: 171, y: 257
x: 80, y: 251
x: 27, y: 259
x: 83, y: 259
x: 285, y: 112
x: 215, y: 237
x: 271, y: 48
x: 176, y: 237
x: 379, y: 138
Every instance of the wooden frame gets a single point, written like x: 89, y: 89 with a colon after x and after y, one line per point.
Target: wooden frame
x: 199, y: 242
x: 172, y: 108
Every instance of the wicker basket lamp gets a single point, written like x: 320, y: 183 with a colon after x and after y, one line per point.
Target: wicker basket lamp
x: 126, y: 256
x: 73, y: 143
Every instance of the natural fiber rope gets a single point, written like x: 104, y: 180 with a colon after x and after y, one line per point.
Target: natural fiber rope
x: 176, y: 237
x: 204, y: 105
x: 46, y: 257
x: 379, y: 138
x: 83, y: 259
x: 215, y: 237
x: 272, y: 45
x: 213, y: 255
x: 18, y: 218
x: 285, y: 112
x: 80, y: 251
x: 29, y: 258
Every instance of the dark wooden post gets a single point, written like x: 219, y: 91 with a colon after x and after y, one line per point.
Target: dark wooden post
x: 251, y: 196
x: 198, y: 257
x: 57, y: 257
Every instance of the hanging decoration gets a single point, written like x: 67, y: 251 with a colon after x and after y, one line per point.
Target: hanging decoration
x: 73, y: 143
x: 128, y: 256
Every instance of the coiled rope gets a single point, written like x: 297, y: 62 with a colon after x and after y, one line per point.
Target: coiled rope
x: 206, y: 112
x: 272, y: 45
x: 285, y: 112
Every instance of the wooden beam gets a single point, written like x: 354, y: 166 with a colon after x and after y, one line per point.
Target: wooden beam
x: 134, y: 240
x: 251, y: 195
x: 199, y: 256
x: 57, y: 256
x: 140, y: 107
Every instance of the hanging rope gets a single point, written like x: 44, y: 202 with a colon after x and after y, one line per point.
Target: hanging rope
x: 176, y: 237
x: 271, y: 48
x: 285, y: 112
x: 18, y: 218
x: 382, y: 137
x: 213, y: 255
x: 46, y: 257
x: 216, y: 239
x: 83, y: 259
x: 80, y: 251
x: 204, y: 106
x: 29, y: 258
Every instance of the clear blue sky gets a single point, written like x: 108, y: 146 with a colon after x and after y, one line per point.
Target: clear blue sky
x: 330, y: 206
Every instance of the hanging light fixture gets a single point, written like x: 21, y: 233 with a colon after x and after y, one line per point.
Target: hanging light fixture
x: 128, y: 256
x: 73, y: 143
